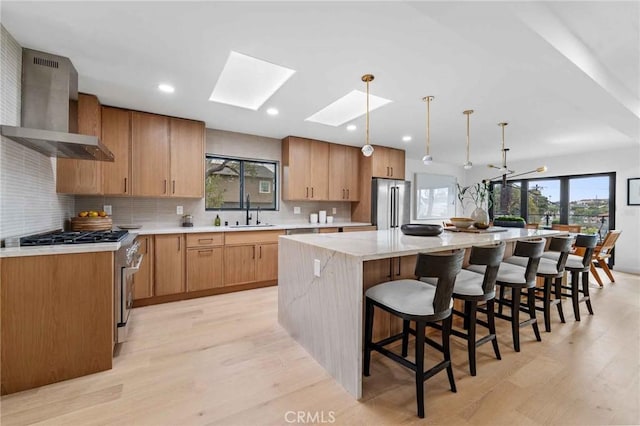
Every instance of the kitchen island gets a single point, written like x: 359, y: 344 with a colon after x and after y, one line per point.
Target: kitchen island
x: 322, y: 279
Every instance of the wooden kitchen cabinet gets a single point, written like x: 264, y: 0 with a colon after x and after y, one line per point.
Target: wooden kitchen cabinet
x: 116, y: 134
x: 150, y: 154
x: 251, y: 257
x: 83, y: 176
x: 343, y: 173
x: 388, y: 162
x: 305, y: 165
x: 143, y: 279
x: 205, y: 261
x: 169, y: 264
x: 187, y: 157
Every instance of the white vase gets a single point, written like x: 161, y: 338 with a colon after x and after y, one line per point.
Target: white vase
x: 479, y: 215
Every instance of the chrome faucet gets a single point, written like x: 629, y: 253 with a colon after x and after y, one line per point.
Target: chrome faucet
x: 248, y: 207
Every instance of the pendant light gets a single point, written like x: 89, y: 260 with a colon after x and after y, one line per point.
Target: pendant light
x: 504, y: 151
x: 367, y: 149
x: 428, y: 159
x: 468, y: 164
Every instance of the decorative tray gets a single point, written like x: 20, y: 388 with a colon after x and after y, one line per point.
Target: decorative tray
x: 421, y: 230
x: 131, y: 226
x: 476, y: 231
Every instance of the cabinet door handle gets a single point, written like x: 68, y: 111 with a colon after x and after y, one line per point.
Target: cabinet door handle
x: 146, y: 246
x: 260, y: 255
x: 205, y: 251
x: 165, y: 186
x: 388, y: 171
x: 178, y: 243
x: 307, y: 196
x: 125, y: 185
x: 312, y: 192
x: 348, y: 195
x: 205, y: 240
x: 343, y: 193
x: 391, y: 171
x: 254, y: 252
x: 174, y: 187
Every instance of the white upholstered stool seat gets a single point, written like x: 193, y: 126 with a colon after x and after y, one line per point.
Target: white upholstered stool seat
x: 508, y: 273
x: 411, y: 297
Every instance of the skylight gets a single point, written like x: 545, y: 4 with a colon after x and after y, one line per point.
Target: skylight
x: 347, y: 108
x: 248, y: 82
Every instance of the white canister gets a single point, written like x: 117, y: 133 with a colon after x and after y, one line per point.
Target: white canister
x: 322, y: 216
x: 329, y: 219
x: 313, y: 218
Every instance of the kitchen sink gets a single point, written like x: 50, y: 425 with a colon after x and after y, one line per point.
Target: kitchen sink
x: 262, y: 225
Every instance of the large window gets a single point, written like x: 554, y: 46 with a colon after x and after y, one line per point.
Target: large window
x: 585, y: 200
x: 229, y: 181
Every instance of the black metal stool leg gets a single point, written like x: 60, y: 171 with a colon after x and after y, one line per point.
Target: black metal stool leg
x: 558, y: 297
x: 515, y: 317
x: 446, y: 350
x: 471, y: 337
x: 575, y: 295
x: 585, y: 291
x: 491, y: 321
x: 547, y: 304
x: 531, y: 299
x: 405, y: 338
x: 420, y: 330
x: 368, y: 333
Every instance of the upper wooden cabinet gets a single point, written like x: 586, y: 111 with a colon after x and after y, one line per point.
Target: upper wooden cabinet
x: 187, y: 157
x: 388, y: 162
x: 116, y: 134
x: 305, y: 169
x: 155, y: 155
x: 343, y: 172
x: 82, y: 176
x: 150, y: 154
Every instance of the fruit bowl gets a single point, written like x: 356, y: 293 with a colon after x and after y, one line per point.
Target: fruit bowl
x: 461, y: 222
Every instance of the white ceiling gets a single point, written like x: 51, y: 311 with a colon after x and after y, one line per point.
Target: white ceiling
x: 565, y: 75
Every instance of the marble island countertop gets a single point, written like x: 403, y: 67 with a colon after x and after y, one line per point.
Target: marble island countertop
x: 370, y: 245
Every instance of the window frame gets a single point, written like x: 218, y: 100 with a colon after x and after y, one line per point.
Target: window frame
x: 241, y: 160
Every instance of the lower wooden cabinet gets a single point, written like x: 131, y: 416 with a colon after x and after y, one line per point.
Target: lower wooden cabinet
x: 240, y: 264
x: 143, y: 279
x: 169, y: 264
x: 267, y: 262
x: 204, y: 268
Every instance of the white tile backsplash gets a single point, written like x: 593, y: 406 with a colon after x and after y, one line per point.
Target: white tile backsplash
x: 28, y: 199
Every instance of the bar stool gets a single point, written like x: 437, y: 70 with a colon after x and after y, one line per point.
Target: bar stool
x: 578, y: 265
x: 517, y: 279
x: 551, y: 270
x: 414, y: 300
x: 473, y: 288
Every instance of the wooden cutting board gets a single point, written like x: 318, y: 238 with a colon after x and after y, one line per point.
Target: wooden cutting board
x: 91, y: 223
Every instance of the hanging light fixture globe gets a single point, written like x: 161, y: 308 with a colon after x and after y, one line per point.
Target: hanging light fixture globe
x: 428, y: 159
x: 367, y: 149
x: 468, y: 164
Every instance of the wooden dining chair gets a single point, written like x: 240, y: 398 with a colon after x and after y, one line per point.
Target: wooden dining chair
x: 601, y: 253
x: 574, y: 229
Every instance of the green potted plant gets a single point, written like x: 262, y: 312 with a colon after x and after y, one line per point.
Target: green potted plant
x: 509, y: 221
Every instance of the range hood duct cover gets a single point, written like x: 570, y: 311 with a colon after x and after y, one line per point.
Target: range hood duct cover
x: 50, y: 110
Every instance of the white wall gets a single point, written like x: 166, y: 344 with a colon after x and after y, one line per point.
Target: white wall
x: 28, y: 200
x: 624, y: 162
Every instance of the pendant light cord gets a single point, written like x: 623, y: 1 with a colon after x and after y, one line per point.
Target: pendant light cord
x: 367, y: 112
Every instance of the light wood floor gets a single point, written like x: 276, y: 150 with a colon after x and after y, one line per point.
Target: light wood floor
x: 225, y: 360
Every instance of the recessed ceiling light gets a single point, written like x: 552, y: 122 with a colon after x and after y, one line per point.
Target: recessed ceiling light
x: 347, y: 108
x: 167, y: 88
x: 352, y: 127
x: 272, y: 111
x: 248, y: 82
x: 406, y: 138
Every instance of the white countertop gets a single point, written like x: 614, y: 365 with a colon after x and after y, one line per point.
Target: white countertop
x: 98, y: 247
x: 370, y: 245
x: 57, y: 249
x: 198, y: 229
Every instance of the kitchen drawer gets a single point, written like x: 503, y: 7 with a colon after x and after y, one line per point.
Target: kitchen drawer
x: 205, y: 240
x: 252, y: 237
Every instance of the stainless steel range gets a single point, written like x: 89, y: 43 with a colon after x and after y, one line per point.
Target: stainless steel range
x: 127, y: 262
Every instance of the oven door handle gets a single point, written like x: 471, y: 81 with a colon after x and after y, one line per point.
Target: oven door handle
x: 136, y: 268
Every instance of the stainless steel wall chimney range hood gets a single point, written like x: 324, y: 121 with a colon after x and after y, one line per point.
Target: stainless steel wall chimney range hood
x: 50, y: 110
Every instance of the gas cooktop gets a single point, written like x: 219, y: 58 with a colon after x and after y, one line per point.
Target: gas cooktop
x: 61, y: 237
